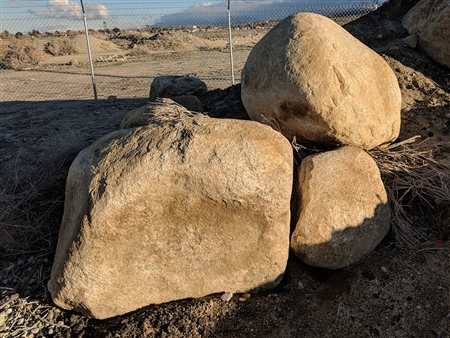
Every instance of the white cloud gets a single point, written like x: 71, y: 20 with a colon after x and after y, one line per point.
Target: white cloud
x: 72, y: 10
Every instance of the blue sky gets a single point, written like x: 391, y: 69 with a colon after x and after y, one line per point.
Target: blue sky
x: 43, y: 15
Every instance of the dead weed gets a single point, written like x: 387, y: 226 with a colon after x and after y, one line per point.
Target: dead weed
x: 417, y: 181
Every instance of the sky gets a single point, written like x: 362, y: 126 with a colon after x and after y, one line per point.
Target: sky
x: 43, y: 15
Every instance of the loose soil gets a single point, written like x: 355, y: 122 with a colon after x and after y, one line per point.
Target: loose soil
x: 395, y: 291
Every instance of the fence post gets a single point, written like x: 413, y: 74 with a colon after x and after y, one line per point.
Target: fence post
x: 230, y: 44
x: 89, y: 51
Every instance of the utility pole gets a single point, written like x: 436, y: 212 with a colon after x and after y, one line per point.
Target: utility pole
x: 89, y: 51
x: 230, y: 43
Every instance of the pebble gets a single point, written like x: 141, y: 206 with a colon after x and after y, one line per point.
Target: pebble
x: 50, y: 331
x: 15, y: 333
x: 226, y: 296
x: 411, y: 41
x: 301, y: 286
x: 384, y: 269
x: 111, y: 98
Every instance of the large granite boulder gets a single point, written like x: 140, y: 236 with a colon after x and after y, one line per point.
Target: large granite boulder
x: 429, y: 20
x: 311, y: 79
x: 176, y: 209
x: 344, y: 210
x: 169, y: 86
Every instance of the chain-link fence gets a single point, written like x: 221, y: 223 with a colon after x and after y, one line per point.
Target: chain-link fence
x: 44, y: 56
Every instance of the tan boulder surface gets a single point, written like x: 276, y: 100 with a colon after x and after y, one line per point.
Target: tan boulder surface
x: 344, y: 211
x: 429, y: 20
x: 168, y: 86
x: 173, y: 210
x: 311, y: 79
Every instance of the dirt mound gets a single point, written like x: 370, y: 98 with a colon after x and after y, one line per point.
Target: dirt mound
x: 97, y: 45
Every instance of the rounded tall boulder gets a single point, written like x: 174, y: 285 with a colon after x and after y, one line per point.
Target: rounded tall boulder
x: 311, y: 79
x: 344, y: 209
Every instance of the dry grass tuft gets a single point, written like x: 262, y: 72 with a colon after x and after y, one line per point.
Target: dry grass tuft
x: 417, y: 180
x: 31, y: 207
x: 19, y: 53
x: 139, y: 50
x: 60, y: 46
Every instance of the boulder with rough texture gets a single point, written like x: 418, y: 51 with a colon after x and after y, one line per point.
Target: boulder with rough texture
x: 173, y: 210
x: 430, y: 21
x: 168, y: 86
x: 155, y: 111
x: 311, y: 79
x: 190, y: 102
x: 344, y: 211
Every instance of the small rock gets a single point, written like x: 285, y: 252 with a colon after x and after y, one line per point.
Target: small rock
x: 244, y: 297
x: 50, y: 331
x: 74, y: 62
x: 226, y: 296
x: 384, y: 269
x: 111, y: 99
x: 411, y: 41
x: 379, y: 36
x: 15, y: 333
x: 301, y: 286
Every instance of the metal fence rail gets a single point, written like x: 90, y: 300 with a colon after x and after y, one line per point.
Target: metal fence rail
x: 46, y: 58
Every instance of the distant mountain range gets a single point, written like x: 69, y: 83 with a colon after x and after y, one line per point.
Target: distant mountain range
x: 245, y: 11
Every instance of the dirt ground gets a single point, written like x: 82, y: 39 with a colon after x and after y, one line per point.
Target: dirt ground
x: 395, y: 291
